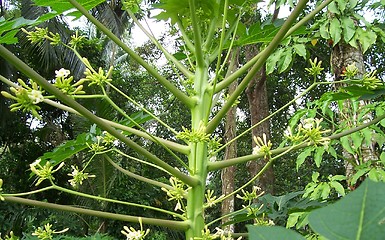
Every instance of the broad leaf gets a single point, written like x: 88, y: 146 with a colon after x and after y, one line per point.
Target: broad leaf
x: 318, y: 156
x: 367, y: 38
x: 359, y: 215
x: 301, y: 157
x: 64, y: 6
x: 285, y: 60
x: 348, y: 27
x: 272, y: 232
x: 335, y: 31
x: 300, y: 49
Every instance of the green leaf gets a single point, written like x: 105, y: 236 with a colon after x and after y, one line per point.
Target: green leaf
x: 285, y: 60
x: 357, y: 140
x: 61, y: 6
x: 358, y: 174
x: 303, y: 155
x: 341, y: 5
x: 277, y: 232
x: 325, y: 191
x: 324, y: 30
x: 348, y: 28
x: 314, y: 176
x: 338, y: 187
x: 382, y: 158
x: 366, y: 38
x: 359, y: 215
x: 272, y: 61
x: 332, y: 7
x: 300, y: 49
x: 9, y: 37
x: 352, y: 3
x: 345, y: 142
x: 335, y: 31
x: 318, y: 156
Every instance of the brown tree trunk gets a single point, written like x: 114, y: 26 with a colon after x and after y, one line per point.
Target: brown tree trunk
x: 228, y: 174
x: 343, y: 55
x: 259, y: 109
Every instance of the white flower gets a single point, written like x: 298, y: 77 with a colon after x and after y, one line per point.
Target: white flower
x: 133, y: 234
x: 78, y: 177
x: 36, y: 96
x: 62, y: 73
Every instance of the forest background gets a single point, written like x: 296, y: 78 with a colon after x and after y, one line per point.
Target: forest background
x: 348, y: 93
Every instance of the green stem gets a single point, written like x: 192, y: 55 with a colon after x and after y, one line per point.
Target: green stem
x: 225, y: 216
x: 185, y: 37
x: 172, y: 145
x: 98, y: 198
x: 167, y: 84
x: 27, y: 193
x: 8, y: 56
x: 177, y: 225
x: 168, y: 55
x: 268, y: 117
x: 197, y: 34
x: 212, y: 166
x: 136, y: 176
x: 257, y: 66
x: 227, y: 81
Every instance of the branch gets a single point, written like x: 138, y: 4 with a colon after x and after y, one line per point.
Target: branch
x: 136, y: 176
x: 227, y: 81
x: 197, y: 35
x: 170, y: 144
x: 8, y: 56
x: 212, y: 166
x: 257, y: 66
x: 177, y: 225
x: 189, y: 102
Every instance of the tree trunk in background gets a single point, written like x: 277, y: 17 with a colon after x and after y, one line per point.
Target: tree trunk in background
x: 343, y: 55
x: 259, y: 109
x: 228, y: 174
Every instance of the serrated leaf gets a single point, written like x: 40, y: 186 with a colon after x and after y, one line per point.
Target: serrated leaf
x: 302, y: 156
x: 9, y: 37
x: 272, y: 61
x: 64, y: 6
x: 348, y: 218
x: 335, y: 31
x: 348, y: 27
x: 318, y: 156
x: 266, y: 232
x: 300, y: 49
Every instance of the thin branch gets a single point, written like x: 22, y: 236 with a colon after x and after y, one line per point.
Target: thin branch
x: 185, y: 37
x: 227, y: 81
x: 136, y: 176
x: 177, y: 225
x: 8, y: 56
x: 170, y: 144
x: 168, y: 55
x: 212, y: 166
x: 257, y: 66
x: 189, y: 102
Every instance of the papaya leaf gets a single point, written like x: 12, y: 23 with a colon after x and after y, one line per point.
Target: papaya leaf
x: 275, y: 232
x: 359, y: 215
x: 348, y: 28
x: 335, y: 31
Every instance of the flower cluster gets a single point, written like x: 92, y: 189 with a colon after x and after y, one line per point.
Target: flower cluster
x: 26, y: 97
x: 370, y: 81
x: 263, y: 146
x: 315, y: 68
x: 10, y: 237
x: 102, y: 142
x: 78, y: 177
x: 133, y: 234
x: 210, y: 199
x: 219, y: 234
x: 309, y: 130
x: 64, y: 83
x: 350, y: 71
x: 44, y: 172
x: 41, y: 34
x: 178, y: 193
x: 250, y: 196
x: 47, y: 233
x: 194, y: 135
x: 99, y: 77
